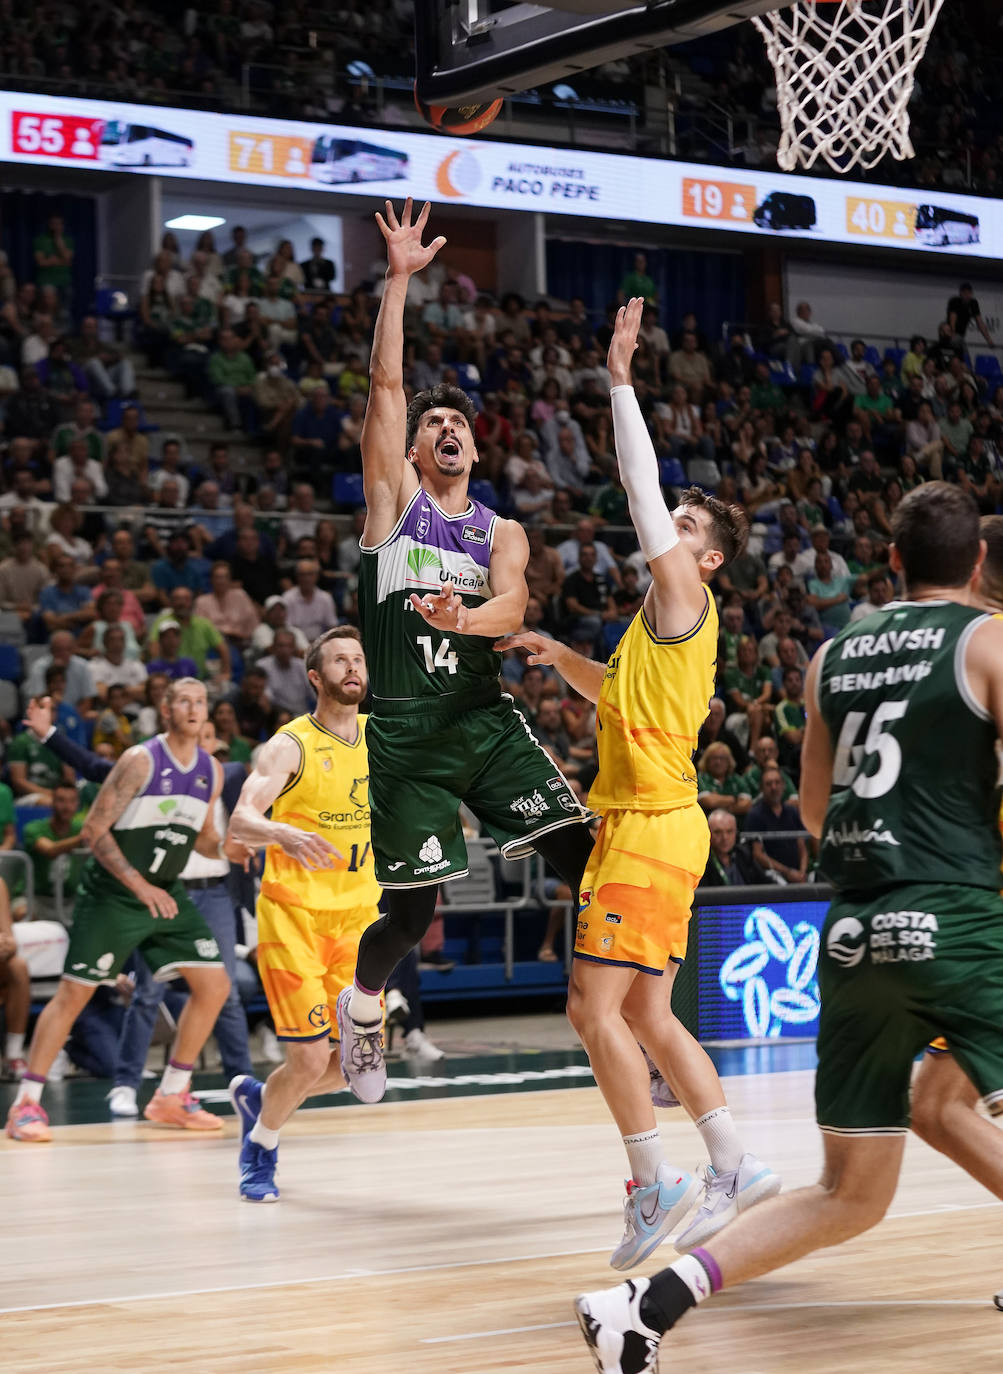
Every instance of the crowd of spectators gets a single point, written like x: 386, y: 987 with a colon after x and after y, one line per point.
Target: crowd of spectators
x: 327, y: 60
x: 125, y: 562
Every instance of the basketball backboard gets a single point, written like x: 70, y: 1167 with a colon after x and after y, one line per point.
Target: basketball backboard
x: 470, y: 51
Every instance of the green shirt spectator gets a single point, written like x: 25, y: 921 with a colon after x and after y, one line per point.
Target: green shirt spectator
x: 199, y: 637
x: 734, y: 785
x: 50, y: 829
x: 233, y: 370
x: 610, y: 504
x: 6, y: 817
x: 37, y: 767
x: 749, y: 684
x: 53, y: 252
x: 638, y: 283
x: 753, y: 774
x: 955, y: 429
x: 764, y: 394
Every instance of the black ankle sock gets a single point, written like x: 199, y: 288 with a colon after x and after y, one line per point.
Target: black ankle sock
x: 666, y: 1300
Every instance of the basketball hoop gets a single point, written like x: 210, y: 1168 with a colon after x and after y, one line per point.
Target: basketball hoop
x: 845, y: 74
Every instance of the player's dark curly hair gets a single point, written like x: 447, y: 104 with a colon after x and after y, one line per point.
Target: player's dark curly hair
x: 729, y: 525
x: 441, y: 396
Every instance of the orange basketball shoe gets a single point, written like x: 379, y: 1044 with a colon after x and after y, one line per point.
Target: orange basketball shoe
x: 180, y: 1110
x: 28, y: 1121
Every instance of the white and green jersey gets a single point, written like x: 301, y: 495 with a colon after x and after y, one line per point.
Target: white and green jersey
x: 415, y: 669
x: 914, y: 796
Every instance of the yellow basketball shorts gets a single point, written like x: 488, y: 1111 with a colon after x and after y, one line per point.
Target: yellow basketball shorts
x: 305, y: 958
x: 637, y: 892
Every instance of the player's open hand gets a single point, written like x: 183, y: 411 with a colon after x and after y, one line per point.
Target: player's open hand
x: 38, y: 716
x: 310, y: 850
x: 406, y: 254
x: 539, y: 648
x: 158, y: 902
x: 624, y: 341
x: 444, y: 609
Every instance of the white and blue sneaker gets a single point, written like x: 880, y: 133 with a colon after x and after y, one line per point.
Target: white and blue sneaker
x: 257, y: 1172
x: 650, y: 1213
x: 245, y: 1094
x: 617, y: 1338
x: 725, y: 1196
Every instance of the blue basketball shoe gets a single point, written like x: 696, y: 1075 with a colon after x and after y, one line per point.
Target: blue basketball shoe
x: 257, y: 1172
x: 245, y: 1094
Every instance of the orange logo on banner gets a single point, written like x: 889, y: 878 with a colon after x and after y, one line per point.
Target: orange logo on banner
x: 272, y: 154
x: 721, y: 200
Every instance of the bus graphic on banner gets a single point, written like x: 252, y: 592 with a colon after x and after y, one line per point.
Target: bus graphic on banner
x: 938, y: 226
x: 140, y: 145
x: 344, y: 159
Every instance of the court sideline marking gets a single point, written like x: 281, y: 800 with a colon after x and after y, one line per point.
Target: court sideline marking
x: 763, y: 1307
x: 428, y: 1269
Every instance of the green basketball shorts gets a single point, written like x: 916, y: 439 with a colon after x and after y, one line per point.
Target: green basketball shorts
x: 488, y: 759
x: 896, y: 970
x: 109, y: 923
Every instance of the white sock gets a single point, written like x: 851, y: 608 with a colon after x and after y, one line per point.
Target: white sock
x: 365, y: 1007
x: 30, y: 1090
x: 722, y: 1140
x: 694, y: 1275
x: 261, y: 1135
x: 175, y: 1080
x: 15, y: 1045
x: 644, y: 1153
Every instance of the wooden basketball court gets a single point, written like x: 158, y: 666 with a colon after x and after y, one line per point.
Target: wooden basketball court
x: 449, y: 1236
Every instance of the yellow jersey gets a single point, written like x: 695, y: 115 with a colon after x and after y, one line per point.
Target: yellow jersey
x: 654, y: 699
x: 328, y: 794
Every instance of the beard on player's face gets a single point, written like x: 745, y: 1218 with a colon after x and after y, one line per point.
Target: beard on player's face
x: 341, y: 694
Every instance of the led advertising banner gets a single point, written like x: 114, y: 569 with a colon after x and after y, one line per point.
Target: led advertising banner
x: 757, y: 968
x: 375, y: 163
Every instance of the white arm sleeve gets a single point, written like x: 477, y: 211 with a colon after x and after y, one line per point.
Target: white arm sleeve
x: 638, y: 466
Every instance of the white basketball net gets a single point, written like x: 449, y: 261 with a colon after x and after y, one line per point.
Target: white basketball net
x: 845, y: 76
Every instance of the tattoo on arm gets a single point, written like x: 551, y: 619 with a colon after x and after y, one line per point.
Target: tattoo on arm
x: 122, y: 784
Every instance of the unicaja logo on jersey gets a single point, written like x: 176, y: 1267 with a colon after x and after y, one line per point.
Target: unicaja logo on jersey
x: 844, y: 942
x: 418, y: 560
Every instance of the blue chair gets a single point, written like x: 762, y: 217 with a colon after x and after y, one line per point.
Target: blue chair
x: 896, y: 355
x: 346, y: 489
x: 987, y: 365
x: 872, y: 356
x: 113, y: 408
x: 671, y: 472
x: 806, y: 373
x: 10, y: 662
x: 484, y: 492
x: 782, y: 372
x: 841, y: 349
x: 24, y: 815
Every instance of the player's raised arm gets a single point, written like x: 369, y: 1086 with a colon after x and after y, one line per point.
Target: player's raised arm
x: 388, y: 480
x: 279, y: 761
x: 125, y: 781
x: 678, y: 590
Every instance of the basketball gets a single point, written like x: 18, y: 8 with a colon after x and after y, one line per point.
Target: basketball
x: 466, y: 119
